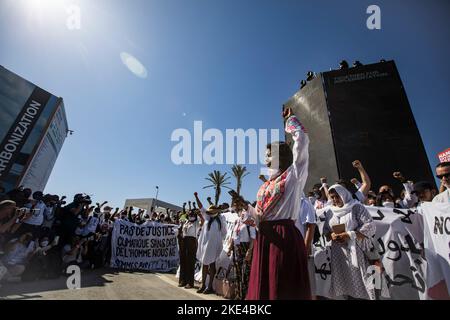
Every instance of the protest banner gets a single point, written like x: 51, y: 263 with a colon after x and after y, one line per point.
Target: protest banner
x: 437, y: 248
x: 399, y: 240
x: 151, y: 246
x: 444, y: 156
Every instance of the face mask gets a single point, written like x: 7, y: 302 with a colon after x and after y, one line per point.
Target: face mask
x: 388, y: 204
x: 44, y: 243
x: 272, y: 172
x: 192, y: 219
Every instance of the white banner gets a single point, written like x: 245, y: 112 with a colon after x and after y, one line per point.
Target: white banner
x: 151, y: 246
x: 399, y: 235
x: 437, y: 248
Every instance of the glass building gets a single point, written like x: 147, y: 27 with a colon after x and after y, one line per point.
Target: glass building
x: 33, y: 127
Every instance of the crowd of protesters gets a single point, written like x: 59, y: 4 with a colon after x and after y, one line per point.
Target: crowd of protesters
x: 268, y: 244
x: 41, y: 234
x: 271, y: 240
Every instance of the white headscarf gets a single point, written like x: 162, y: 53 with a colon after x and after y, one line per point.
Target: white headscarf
x: 347, y: 199
x: 339, y: 212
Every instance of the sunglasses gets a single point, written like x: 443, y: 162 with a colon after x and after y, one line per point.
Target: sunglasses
x: 441, y: 176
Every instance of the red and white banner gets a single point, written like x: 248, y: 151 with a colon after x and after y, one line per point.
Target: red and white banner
x: 444, y: 156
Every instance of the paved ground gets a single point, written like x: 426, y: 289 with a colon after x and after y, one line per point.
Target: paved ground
x: 105, y: 284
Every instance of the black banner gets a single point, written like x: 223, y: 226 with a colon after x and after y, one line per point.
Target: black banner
x: 21, y: 129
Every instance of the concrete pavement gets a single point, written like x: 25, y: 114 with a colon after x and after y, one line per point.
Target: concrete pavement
x: 105, y: 284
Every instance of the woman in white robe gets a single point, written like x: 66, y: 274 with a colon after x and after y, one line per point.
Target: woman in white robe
x: 210, y: 243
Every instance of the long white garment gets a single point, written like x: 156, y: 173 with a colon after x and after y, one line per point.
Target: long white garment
x: 210, y: 241
x: 288, y: 206
x: 224, y: 260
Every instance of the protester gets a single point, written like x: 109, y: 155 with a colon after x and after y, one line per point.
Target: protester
x: 443, y: 174
x: 17, y: 256
x: 243, y: 238
x: 279, y: 247
x: 210, y: 243
x: 306, y: 223
x: 364, y: 187
x: 189, y: 234
x: 35, y: 220
x: 424, y: 191
x: 350, y: 228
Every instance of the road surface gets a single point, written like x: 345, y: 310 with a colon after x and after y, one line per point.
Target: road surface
x: 105, y: 284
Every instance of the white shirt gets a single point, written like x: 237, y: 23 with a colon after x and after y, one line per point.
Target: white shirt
x: 37, y: 217
x: 307, y: 215
x: 190, y: 229
x: 288, y: 206
x: 230, y: 218
x: 243, y: 233
x: 443, y: 197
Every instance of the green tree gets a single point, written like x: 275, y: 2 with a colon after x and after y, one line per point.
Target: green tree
x: 218, y: 181
x: 239, y: 172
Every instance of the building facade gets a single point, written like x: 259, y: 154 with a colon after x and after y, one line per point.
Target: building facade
x: 33, y: 127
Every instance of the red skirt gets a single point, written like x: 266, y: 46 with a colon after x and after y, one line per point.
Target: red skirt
x: 279, y: 266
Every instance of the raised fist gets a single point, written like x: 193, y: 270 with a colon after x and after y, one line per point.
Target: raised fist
x: 357, y: 164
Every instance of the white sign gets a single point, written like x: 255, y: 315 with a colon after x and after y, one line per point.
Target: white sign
x: 151, y: 246
x: 437, y: 248
x: 399, y: 235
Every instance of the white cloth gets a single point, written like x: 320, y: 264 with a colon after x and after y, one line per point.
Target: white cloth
x: 210, y: 241
x: 288, y: 206
x: 37, y: 217
x: 243, y: 233
x: 410, y: 199
x: 436, y: 241
x: 190, y: 229
x: 307, y: 215
x: 443, y: 197
x: 230, y: 218
x: 360, y: 196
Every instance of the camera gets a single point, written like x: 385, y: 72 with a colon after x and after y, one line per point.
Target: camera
x: 83, y: 199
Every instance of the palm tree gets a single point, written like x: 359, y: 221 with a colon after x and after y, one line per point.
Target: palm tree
x: 239, y: 172
x: 218, y: 181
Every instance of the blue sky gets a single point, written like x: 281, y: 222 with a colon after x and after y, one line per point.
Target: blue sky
x: 230, y: 64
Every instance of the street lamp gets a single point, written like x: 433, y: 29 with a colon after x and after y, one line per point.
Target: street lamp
x: 156, y: 199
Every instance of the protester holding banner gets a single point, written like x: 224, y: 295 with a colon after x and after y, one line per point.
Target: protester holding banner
x: 443, y: 174
x: 189, y: 234
x: 210, y: 243
x: 350, y: 227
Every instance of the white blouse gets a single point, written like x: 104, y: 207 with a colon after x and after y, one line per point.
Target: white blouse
x: 288, y: 207
x: 191, y: 229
